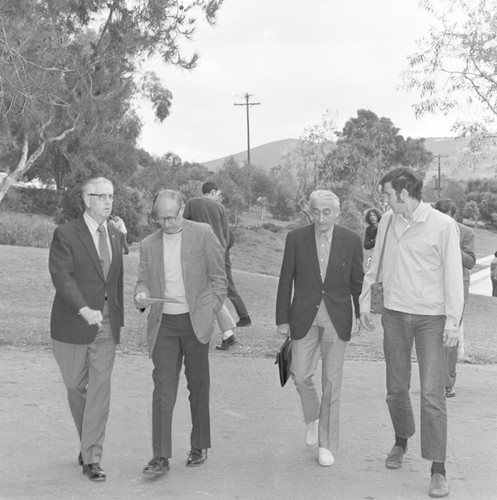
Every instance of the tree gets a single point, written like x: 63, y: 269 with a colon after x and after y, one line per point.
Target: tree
x: 309, y: 155
x: 453, y: 69
x: 74, y: 66
x: 284, y: 199
x: 366, y: 149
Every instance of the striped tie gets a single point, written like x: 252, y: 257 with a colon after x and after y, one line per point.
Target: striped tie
x: 103, y: 250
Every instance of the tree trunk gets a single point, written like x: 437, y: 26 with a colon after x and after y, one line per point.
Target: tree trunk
x: 26, y: 163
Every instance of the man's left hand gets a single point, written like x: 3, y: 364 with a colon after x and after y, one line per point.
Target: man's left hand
x: 356, y: 331
x: 450, y: 338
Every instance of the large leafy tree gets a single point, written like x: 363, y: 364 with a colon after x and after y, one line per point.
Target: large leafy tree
x: 453, y: 70
x: 366, y: 149
x: 71, y: 69
x: 310, y: 153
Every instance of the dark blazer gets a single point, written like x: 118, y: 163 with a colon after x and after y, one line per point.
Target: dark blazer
x: 467, y: 244
x: 79, y: 281
x: 211, y: 212
x: 300, y: 272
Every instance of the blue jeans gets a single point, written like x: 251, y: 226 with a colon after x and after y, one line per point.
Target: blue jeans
x: 400, y: 331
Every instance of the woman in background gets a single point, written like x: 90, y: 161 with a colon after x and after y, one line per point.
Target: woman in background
x: 372, y: 216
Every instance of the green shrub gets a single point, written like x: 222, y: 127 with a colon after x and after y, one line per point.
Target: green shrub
x: 30, y: 200
x: 25, y: 230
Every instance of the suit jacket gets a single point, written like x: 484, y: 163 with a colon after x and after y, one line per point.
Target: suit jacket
x: 203, y: 209
x: 79, y: 281
x: 300, y: 272
x: 467, y: 244
x: 204, y: 277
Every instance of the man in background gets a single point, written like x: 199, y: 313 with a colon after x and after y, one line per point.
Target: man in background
x: 181, y: 276
x: 207, y: 208
x: 467, y: 245
x: 423, y: 300
x: 493, y: 275
x: 86, y: 267
x: 321, y: 276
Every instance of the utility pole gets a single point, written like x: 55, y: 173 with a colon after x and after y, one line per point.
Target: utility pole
x: 247, y: 105
x: 439, y: 182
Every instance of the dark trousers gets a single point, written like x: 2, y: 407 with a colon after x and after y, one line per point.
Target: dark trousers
x: 494, y: 288
x: 232, y: 292
x: 176, y: 341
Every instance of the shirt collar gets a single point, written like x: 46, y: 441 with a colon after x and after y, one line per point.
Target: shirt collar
x: 420, y: 214
x: 92, y: 223
x: 328, y: 234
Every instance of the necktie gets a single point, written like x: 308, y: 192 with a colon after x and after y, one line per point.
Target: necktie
x: 103, y: 250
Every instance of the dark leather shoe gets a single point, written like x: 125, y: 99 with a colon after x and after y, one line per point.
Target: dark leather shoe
x: 439, y: 487
x: 196, y: 457
x: 395, y: 457
x: 80, y: 459
x: 157, y: 466
x: 226, y: 343
x: 244, y: 321
x: 450, y: 392
x: 94, y: 471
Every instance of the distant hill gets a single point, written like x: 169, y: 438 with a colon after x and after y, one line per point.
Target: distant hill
x: 266, y: 156
x: 452, y: 153
x: 452, y: 164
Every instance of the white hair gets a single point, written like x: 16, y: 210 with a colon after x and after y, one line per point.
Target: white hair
x: 321, y: 194
x: 91, y: 182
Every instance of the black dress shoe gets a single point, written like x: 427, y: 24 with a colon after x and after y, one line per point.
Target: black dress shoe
x: 157, y: 466
x: 226, y: 343
x: 244, y: 321
x: 80, y: 459
x: 94, y: 471
x: 196, y: 457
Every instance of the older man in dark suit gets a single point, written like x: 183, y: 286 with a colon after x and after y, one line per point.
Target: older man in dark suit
x: 323, y: 265
x: 86, y: 266
x: 182, y: 277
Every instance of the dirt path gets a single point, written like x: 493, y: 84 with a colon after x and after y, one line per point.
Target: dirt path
x: 258, y: 437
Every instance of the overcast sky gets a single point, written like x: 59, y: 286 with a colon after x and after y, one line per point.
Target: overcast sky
x: 298, y: 58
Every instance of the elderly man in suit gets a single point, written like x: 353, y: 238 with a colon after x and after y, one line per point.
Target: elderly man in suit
x: 467, y: 244
x: 323, y: 265
x: 181, y: 275
x: 86, y: 266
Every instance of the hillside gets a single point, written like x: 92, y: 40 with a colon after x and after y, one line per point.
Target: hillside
x: 452, y: 153
x: 266, y: 156
x: 454, y: 161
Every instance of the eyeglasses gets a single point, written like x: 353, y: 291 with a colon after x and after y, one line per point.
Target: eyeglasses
x: 167, y: 220
x: 103, y: 197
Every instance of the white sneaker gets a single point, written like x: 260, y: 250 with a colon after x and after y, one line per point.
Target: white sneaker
x: 325, y: 457
x: 312, y: 436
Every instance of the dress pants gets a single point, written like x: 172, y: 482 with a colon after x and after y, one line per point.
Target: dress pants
x: 86, y: 371
x: 232, y: 292
x: 176, y: 341
x: 401, y: 330
x: 321, y: 338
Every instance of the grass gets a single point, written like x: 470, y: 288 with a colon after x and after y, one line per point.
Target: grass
x: 22, y: 229
x: 26, y: 296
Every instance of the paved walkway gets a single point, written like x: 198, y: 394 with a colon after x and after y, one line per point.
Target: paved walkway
x: 480, y: 283
x: 258, y: 436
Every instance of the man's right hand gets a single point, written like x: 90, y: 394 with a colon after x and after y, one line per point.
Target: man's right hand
x: 283, y: 329
x: 91, y: 316
x: 366, y: 321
